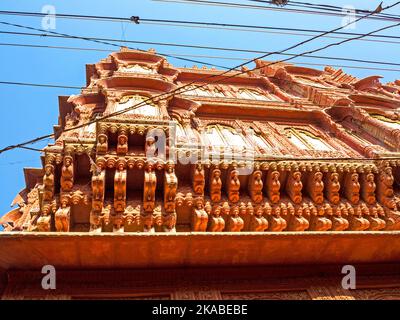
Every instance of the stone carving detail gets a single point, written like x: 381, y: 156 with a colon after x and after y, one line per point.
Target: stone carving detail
x: 102, y: 143
x: 234, y: 221
x: 120, y: 188
x: 352, y: 187
x: 256, y: 186
x: 215, y: 185
x: 67, y: 174
x: 48, y: 182
x: 315, y: 187
x: 233, y: 185
x: 368, y: 187
x: 258, y: 221
x: 62, y: 218
x: 170, y: 187
x: 98, y: 187
x: 198, y: 179
x: 199, y: 216
x: 273, y: 186
x: 215, y: 223
x: 332, y: 187
x: 122, y: 146
x: 294, y: 186
x: 149, y: 190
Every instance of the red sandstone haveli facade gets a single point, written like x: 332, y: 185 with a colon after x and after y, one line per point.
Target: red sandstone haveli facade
x: 282, y: 148
x: 312, y: 142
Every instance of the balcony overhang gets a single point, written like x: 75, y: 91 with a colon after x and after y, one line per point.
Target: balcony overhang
x: 33, y: 250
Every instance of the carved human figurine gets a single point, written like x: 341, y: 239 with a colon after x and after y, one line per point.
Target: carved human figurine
x: 48, y: 182
x: 106, y: 219
x: 338, y: 218
x: 215, y: 223
x: 294, y: 186
x: 275, y: 221
x: 118, y: 222
x: 215, y: 185
x: 368, y: 187
x: 233, y: 186
x: 120, y: 188
x: 95, y: 223
x: 356, y: 220
x: 199, y: 216
x: 169, y: 221
x: 258, y: 222
x: 149, y: 194
x: 315, y: 187
x: 374, y: 217
x: 333, y: 187
x: 151, y: 148
x: 318, y: 217
x: 384, y: 188
x: 256, y: 186
x: 102, y: 143
x: 295, y: 219
x: 148, y: 222
x: 62, y: 218
x: 352, y: 188
x: 170, y: 187
x: 67, y: 174
x: 122, y: 146
x: 198, y: 179
x: 273, y: 186
x: 235, y: 222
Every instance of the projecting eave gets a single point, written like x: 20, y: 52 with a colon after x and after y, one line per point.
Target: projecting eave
x: 136, y: 82
x: 375, y: 100
x: 32, y: 250
x: 32, y: 177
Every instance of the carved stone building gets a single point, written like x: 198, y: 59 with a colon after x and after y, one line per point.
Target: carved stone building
x: 259, y: 185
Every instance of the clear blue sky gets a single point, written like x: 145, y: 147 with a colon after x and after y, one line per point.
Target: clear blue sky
x: 28, y: 112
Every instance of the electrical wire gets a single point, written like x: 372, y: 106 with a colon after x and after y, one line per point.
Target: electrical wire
x: 179, y: 45
x: 202, y: 24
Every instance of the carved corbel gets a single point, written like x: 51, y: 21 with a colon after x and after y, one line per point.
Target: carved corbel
x: 294, y: 186
x: 368, y: 188
x: 233, y: 185
x: 120, y: 188
x: 198, y: 179
x: 62, y: 217
x: 215, y: 185
x: 199, y: 216
x: 170, y: 187
x: 48, y: 182
x: 273, y: 186
x: 67, y: 173
x: 255, y: 186
x: 98, y: 187
x: 149, y: 194
x: 332, y: 187
x: 352, y: 187
x: 315, y: 187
